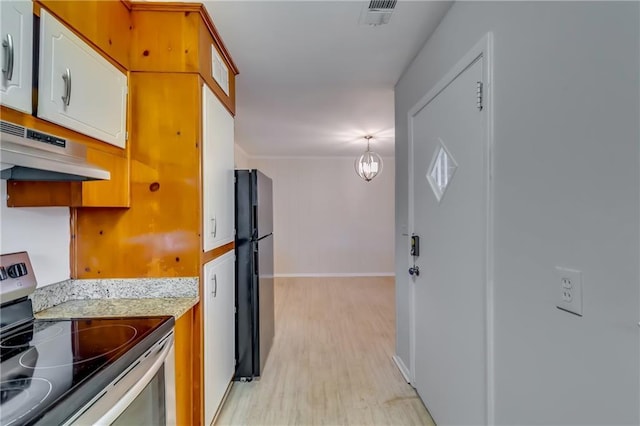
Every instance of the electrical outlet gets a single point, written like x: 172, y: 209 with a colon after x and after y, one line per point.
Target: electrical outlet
x: 570, y: 290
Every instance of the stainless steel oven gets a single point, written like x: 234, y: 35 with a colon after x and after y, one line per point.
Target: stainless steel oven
x: 144, y: 394
x: 80, y: 371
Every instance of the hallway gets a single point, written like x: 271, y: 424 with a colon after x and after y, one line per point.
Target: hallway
x: 331, y: 360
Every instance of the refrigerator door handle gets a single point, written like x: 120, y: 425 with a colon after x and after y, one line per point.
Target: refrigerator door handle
x: 254, y: 221
x: 255, y: 263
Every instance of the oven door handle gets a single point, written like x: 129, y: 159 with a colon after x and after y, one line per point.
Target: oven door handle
x: 110, y: 404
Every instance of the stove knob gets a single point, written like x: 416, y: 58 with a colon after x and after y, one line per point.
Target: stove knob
x: 17, y: 270
x: 3, y: 273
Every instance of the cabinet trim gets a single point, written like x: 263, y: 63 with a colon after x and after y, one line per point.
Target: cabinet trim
x: 217, y: 252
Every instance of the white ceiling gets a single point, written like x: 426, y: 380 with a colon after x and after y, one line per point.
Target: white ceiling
x: 313, y: 81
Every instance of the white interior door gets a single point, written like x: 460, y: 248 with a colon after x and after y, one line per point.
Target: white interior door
x: 449, y: 166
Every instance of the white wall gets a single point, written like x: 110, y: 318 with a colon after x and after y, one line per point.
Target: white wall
x: 566, y: 180
x: 242, y: 159
x: 43, y: 232
x: 327, y: 220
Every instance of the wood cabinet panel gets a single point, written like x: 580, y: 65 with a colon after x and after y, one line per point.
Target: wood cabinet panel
x: 43, y: 194
x: 164, y: 41
x: 184, y: 368
x: 106, y: 24
x: 107, y: 193
x: 159, y: 235
x: 215, y: 253
x: 198, y: 361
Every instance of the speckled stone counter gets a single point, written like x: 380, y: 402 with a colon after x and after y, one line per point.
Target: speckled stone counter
x: 175, y: 306
x: 116, y: 297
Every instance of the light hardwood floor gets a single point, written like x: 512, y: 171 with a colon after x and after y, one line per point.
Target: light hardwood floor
x: 331, y: 360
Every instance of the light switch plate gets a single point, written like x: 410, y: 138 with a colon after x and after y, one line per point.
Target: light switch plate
x: 569, y: 288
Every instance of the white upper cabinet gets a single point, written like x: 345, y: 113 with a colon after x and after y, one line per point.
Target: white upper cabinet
x: 16, y: 54
x: 77, y: 87
x: 219, y: 330
x: 218, y: 176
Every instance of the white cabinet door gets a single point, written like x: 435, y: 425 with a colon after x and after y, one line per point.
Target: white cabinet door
x: 16, y: 54
x: 219, y: 330
x: 218, y: 179
x: 77, y: 87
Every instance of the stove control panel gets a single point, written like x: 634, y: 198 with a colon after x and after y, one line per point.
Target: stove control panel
x: 16, y: 276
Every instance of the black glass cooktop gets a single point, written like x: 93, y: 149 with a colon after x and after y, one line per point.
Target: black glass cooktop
x: 51, y: 368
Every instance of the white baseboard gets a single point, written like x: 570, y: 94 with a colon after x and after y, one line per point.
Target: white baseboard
x: 338, y: 274
x: 403, y: 368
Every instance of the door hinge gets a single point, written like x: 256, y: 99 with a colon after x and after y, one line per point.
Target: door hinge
x: 126, y: 136
x: 479, y: 103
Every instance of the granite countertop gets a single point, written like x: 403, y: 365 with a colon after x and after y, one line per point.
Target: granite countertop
x: 174, y: 306
x: 116, y: 298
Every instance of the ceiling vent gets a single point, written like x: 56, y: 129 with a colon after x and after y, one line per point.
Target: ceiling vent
x: 378, y: 12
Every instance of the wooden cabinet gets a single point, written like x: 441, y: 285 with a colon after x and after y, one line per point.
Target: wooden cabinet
x: 16, y: 54
x: 181, y: 37
x: 106, y: 27
x: 218, y: 298
x: 217, y: 172
x: 77, y: 87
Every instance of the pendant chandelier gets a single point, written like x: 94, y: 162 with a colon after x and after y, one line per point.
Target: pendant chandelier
x: 369, y: 164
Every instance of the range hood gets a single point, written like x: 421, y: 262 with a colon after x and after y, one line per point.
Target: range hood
x: 28, y: 154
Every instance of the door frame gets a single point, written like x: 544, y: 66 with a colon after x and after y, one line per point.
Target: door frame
x: 483, y: 49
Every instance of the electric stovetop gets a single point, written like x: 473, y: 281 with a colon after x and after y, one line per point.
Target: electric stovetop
x: 51, y: 368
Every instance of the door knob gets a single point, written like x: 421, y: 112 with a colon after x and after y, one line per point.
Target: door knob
x: 414, y: 270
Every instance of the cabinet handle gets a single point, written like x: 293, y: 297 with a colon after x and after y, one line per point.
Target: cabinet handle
x: 8, y: 58
x: 214, y: 226
x: 67, y: 87
x: 215, y: 285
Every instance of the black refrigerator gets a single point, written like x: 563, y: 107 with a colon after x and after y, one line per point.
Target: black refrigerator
x: 254, y: 273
